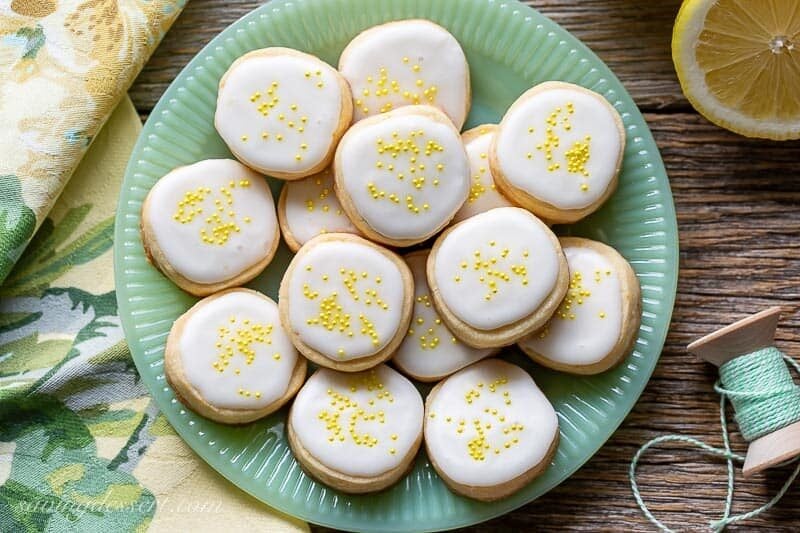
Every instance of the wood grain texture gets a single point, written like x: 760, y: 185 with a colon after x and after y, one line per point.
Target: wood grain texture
x: 738, y: 205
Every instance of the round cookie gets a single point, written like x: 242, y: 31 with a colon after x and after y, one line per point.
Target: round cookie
x: 228, y: 359
x: 558, y: 151
x: 483, y: 193
x: 407, y: 62
x: 282, y: 112
x: 497, y: 276
x: 489, y: 430
x: 402, y: 175
x: 210, y: 225
x: 346, y: 302
x: 309, y: 207
x: 356, y: 432
x: 595, y: 326
x: 430, y: 351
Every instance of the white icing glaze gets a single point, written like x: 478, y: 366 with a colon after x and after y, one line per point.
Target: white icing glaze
x: 483, y: 194
x: 405, y: 63
x: 404, y: 184
x: 488, y: 424
x: 430, y: 350
x: 576, y: 130
x: 213, y: 219
x: 345, y: 299
x: 360, y: 424
x: 589, y: 321
x: 496, y: 268
x: 279, y: 112
x: 312, y: 208
x: 235, y: 353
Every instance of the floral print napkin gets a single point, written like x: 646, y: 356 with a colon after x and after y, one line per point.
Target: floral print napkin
x: 64, y: 65
x: 83, y: 446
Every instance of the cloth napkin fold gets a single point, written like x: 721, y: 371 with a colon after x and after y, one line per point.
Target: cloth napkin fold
x: 64, y: 65
x: 83, y: 447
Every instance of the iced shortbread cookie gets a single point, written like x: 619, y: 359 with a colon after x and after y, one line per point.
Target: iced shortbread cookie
x: 596, y: 325
x: 229, y: 359
x: 489, y: 430
x: 282, y: 112
x: 497, y: 276
x: 210, y: 225
x: 309, y: 207
x: 356, y: 432
x: 558, y: 151
x: 403, y: 63
x: 402, y: 175
x: 430, y: 351
x: 483, y: 194
x: 346, y: 302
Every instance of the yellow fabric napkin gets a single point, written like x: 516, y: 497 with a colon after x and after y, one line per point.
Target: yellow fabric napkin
x: 83, y: 446
x: 64, y: 65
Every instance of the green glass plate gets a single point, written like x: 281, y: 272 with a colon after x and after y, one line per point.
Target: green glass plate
x: 510, y: 47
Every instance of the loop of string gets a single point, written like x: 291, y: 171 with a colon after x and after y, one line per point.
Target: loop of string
x: 765, y: 398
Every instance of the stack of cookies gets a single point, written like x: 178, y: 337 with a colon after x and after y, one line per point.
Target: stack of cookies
x: 421, y: 251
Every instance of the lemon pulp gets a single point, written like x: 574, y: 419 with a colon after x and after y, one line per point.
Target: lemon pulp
x: 739, y: 63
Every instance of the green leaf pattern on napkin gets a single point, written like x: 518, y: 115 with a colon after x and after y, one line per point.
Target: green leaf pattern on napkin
x: 64, y: 371
x: 56, y: 481
x: 17, y: 222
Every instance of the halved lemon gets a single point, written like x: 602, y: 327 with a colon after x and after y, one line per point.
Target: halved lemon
x: 738, y: 62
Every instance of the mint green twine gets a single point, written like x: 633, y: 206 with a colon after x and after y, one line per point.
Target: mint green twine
x: 762, y: 392
x: 765, y: 399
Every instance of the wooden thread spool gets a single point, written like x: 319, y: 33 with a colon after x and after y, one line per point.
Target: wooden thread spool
x: 740, y: 338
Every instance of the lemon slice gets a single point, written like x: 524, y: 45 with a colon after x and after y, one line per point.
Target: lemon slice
x: 738, y: 62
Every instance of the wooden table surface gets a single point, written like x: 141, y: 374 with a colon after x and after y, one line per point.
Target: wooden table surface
x: 738, y: 206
